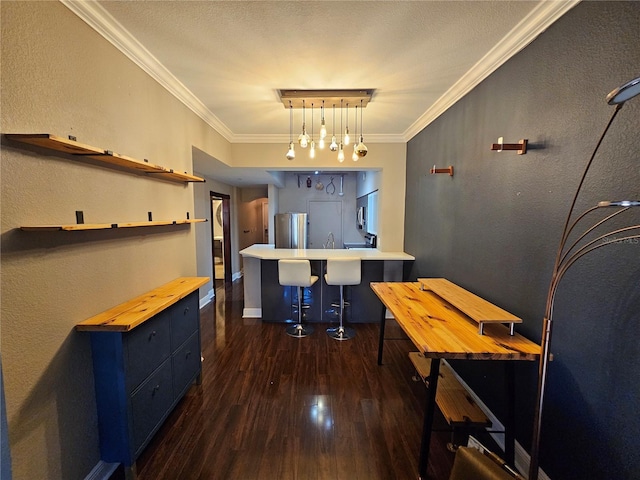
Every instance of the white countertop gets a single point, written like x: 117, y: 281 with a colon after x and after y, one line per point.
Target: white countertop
x: 269, y: 252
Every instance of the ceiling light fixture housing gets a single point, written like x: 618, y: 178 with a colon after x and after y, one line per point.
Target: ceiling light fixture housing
x: 329, y: 97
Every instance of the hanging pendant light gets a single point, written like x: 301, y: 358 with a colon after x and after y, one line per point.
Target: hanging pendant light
x: 303, y: 138
x: 346, y: 138
x: 323, y: 128
x: 361, y: 149
x: 334, y: 146
x: 355, y: 156
x: 291, y: 154
x: 312, y: 151
x: 341, y: 147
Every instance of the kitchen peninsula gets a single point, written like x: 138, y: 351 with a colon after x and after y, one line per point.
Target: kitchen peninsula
x: 265, y: 298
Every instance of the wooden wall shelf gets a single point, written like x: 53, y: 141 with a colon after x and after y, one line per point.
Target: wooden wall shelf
x: 107, y: 157
x: 107, y: 226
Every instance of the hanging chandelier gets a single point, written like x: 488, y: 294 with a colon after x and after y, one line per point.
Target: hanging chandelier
x: 299, y: 99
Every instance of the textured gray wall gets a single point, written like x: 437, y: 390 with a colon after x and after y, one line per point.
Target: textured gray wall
x: 59, y: 76
x: 494, y: 228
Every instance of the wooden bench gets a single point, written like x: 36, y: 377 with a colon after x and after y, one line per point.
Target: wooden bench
x: 454, y: 401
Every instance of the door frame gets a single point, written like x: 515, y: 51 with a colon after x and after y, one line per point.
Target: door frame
x: 226, y: 234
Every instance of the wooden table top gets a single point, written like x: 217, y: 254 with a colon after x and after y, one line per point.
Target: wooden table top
x: 132, y: 313
x: 440, y: 330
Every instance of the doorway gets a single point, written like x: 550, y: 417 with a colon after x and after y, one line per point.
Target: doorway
x: 265, y: 221
x: 220, y: 238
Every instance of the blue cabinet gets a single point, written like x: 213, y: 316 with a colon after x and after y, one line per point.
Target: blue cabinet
x: 142, y: 372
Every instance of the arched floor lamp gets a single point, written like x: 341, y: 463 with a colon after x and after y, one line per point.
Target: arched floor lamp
x: 566, y: 257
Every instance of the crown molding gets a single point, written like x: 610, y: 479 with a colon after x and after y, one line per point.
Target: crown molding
x: 103, y: 22
x: 526, y: 31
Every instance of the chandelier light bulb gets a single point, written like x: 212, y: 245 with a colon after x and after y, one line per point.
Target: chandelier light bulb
x: 321, y: 144
x: 303, y: 138
x: 354, y: 156
x: 361, y: 149
x: 291, y: 154
x: 334, y: 145
x: 341, y: 154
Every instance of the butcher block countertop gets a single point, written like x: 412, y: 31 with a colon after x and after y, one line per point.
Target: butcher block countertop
x: 440, y: 330
x: 130, y: 314
x: 269, y: 252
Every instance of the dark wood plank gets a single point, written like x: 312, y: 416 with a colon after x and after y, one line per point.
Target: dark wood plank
x: 275, y: 407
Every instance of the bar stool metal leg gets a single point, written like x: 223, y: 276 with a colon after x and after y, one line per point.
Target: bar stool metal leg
x: 297, y: 273
x: 299, y: 330
x: 341, y: 332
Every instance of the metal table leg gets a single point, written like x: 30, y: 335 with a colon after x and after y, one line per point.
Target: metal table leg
x: 509, y: 424
x: 381, y: 340
x: 428, y: 418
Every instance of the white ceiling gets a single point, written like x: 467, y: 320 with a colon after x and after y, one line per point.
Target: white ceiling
x: 226, y: 60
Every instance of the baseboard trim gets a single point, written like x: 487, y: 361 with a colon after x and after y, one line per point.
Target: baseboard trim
x: 252, y: 313
x: 521, y: 456
x: 207, y: 299
x: 102, y: 471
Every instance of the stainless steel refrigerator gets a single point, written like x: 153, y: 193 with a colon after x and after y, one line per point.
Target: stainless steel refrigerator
x: 291, y: 230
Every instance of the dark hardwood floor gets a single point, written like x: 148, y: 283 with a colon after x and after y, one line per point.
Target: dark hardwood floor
x: 275, y: 407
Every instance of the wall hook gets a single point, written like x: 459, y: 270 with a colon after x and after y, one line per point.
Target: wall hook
x: 448, y: 170
x: 521, y: 146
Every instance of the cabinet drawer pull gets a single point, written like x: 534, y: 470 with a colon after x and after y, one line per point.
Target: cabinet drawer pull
x: 152, y: 334
x: 155, y: 389
x: 186, y: 310
x: 187, y: 354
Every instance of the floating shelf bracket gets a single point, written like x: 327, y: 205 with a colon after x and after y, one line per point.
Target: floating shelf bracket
x: 520, y: 147
x: 448, y: 170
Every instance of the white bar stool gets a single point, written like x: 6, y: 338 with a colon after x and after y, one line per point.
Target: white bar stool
x: 342, y: 271
x: 297, y: 273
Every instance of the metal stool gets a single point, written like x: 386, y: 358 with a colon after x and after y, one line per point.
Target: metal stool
x: 342, y: 271
x: 297, y: 273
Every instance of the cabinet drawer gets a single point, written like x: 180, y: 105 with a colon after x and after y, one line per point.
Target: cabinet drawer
x: 184, y: 319
x: 186, y: 364
x: 149, y: 404
x: 147, y: 346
